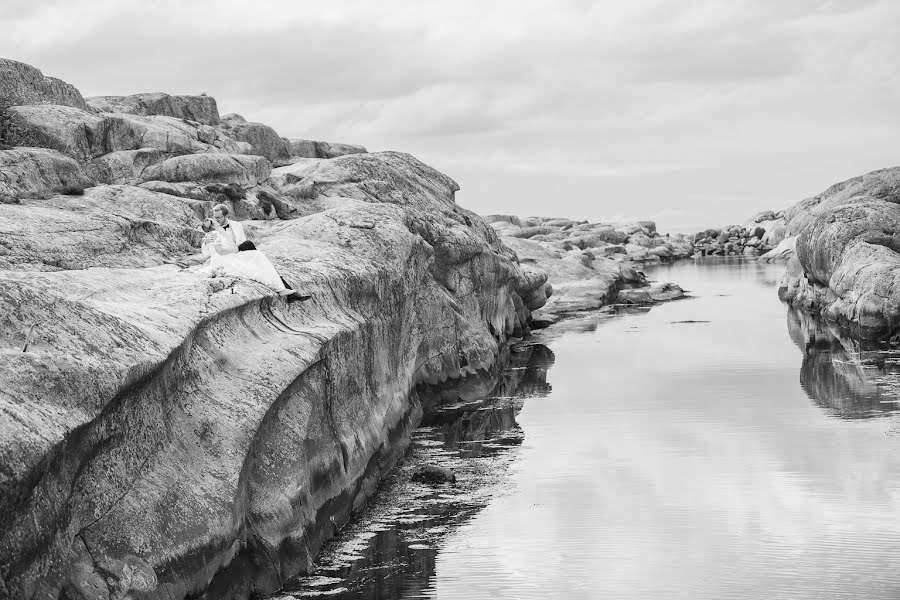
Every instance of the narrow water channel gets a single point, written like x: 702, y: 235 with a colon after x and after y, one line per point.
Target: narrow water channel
x: 718, y: 446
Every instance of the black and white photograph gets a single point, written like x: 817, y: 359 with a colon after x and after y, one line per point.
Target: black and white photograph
x: 450, y: 300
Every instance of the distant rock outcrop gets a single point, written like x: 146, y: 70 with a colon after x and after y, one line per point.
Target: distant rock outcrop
x: 201, y: 108
x: 757, y: 237
x: 583, y: 266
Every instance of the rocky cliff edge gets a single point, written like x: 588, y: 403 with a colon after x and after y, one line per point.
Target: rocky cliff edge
x: 165, y: 430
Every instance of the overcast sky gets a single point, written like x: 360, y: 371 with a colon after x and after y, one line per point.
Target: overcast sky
x: 692, y: 112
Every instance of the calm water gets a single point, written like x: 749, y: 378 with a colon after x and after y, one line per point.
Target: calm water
x: 713, y: 447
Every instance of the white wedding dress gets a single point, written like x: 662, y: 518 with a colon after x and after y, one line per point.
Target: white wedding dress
x: 249, y: 264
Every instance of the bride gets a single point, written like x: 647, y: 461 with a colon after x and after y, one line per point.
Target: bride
x: 231, y: 253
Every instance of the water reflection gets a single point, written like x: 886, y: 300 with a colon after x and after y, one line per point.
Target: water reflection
x: 849, y: 377
x: 470, y: 426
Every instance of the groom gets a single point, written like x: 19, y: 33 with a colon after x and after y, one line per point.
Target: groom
x: 234, y: 230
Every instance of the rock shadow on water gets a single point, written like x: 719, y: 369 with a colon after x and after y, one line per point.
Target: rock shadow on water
x: 850, y: 378
x: 469, y: 426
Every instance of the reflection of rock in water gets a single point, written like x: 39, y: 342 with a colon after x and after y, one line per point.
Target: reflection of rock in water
x: 524, y: 374
x: 852, y: 378
x: 390, y: 550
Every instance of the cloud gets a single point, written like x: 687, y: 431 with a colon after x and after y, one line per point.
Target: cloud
x: 722, y: 105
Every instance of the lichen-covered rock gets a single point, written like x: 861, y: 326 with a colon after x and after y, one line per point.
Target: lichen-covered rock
x: 193, y: 108
x: 22, y: 84
x: 39, y: 173
x: 184, y: 428
x: 244, y: 170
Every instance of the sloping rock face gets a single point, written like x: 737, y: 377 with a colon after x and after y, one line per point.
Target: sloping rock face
x: 23, y: 84
x: 847, y: 262
x: 165, y: 432
x: 193, y: 108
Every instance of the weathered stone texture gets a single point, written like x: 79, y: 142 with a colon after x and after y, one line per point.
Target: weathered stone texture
x: 193, y: 108
x: 22, y: 84
x: 847, y: 263
x: 166, y: 430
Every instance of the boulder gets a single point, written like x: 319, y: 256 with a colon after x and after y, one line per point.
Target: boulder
x: 125, y: 166
x: 528, y: 232
x: 39, y: 173
x: 433, y: 475
x: 22, y: 84
x: 244, y: 170
x: 334, y: 150
x: 785, y: 250
x: 775, y: 233
x: 263, y: 140
x: 649, y: 227
x: 661, y: 292
x: 303, y: 148
x: 850, y: 261
x: 201, y: 108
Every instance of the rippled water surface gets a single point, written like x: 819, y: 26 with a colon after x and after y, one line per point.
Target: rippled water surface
x: 714, y: 447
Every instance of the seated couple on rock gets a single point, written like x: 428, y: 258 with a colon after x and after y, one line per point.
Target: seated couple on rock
x: 229, y: 250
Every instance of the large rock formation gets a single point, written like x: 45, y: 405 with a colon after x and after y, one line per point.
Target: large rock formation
x: 847, y: 263
x: 23, y: 84
x: 576, y: 266
x: 166, y: 430
x: 85, y: 135
x: 192, y: 108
